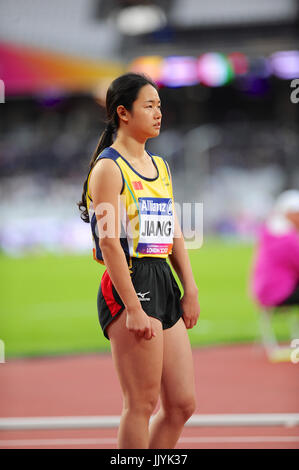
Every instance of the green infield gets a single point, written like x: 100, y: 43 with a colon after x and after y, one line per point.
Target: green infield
x: 48, y: 302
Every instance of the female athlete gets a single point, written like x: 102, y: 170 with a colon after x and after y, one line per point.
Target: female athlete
x: 128, y: 200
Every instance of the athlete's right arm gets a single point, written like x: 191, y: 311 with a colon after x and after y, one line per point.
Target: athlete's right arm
x: 105, y: 186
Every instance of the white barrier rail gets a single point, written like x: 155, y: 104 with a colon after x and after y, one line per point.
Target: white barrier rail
x: 88, y: 422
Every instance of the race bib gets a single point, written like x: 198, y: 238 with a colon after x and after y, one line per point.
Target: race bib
x: 156, y: 226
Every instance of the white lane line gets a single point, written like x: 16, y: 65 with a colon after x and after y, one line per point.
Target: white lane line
x: 112, y: 440
x: 82, y: 422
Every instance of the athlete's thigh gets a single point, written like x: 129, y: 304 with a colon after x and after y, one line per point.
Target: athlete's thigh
x: 138, y: 361
x: 178, y: 385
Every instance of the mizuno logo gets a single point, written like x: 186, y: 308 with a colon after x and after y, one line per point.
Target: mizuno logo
x: 141, y: 296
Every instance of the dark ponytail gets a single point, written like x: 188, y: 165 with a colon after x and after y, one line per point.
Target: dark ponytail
x: 106, y: 140
x: 122, y: 91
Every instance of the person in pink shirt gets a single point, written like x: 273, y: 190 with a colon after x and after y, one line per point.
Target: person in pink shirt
x: 275, y: 274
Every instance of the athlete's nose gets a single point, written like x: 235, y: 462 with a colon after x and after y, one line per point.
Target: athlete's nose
x: 158, y: 113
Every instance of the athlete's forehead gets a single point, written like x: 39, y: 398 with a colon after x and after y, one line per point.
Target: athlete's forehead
x: 148, y: 94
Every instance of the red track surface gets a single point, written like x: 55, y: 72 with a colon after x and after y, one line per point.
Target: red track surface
x: 229, y: 379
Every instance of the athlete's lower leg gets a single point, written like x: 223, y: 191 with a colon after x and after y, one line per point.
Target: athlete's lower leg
x: 177, y: 388
x: 133, y: 431
x: 167, y: 425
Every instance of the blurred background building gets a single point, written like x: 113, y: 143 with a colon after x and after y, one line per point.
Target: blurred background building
x: 230, y: 128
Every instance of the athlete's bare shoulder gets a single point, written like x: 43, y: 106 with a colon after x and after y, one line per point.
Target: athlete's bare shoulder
x: 105, y: 175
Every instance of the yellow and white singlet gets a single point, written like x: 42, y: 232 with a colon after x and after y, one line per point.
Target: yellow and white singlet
x: 146, y: 210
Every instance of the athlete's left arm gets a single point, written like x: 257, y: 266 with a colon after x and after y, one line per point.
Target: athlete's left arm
x: 181, y: 264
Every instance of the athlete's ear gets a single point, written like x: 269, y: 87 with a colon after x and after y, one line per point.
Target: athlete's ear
x: 122, y: 113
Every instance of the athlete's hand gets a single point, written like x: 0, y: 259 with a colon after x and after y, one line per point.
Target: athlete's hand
x: 191, y: 309
x: 139, y: 323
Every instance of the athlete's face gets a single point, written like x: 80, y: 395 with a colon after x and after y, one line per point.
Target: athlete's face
x: 144, y: 120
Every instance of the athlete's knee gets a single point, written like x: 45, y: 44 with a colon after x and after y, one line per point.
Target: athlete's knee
x: 144, y: 403
x: 181, y: 409
x: 187, y: 408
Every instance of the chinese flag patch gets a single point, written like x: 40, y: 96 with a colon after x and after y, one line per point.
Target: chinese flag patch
x: 137, y: 185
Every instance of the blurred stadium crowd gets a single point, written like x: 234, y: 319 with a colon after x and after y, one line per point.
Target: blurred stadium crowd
x: 233, y: 147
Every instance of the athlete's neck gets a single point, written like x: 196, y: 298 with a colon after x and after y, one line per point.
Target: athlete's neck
x: 130, y: 147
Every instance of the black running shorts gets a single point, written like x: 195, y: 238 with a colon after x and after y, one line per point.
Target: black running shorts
x: 156, y: 288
